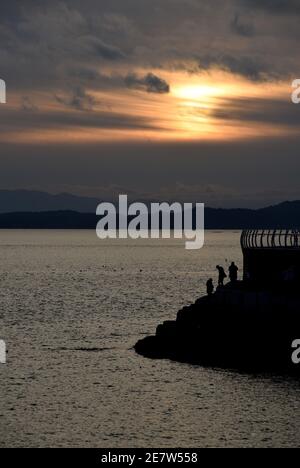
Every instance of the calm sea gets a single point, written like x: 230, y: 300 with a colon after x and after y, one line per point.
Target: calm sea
x: 71, y: 309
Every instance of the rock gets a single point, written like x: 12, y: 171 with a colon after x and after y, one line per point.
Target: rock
x: 233, y: 328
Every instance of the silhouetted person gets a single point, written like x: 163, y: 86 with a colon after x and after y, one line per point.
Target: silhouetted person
x: 222, y: 275
x: 233, y: 272
x: 210, y: 287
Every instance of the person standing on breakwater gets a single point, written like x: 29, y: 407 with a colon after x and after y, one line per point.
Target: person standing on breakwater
x: 233, y: 272
x: 210, y: 287
x: 222, y: 275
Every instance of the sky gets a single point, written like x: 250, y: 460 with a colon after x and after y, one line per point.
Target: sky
x: 177, y: 100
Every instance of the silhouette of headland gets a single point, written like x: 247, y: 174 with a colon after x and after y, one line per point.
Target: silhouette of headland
x: 39, y: 210
x: 247, y: 325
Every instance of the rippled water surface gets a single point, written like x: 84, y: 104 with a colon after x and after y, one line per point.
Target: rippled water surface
x: 71, y: 309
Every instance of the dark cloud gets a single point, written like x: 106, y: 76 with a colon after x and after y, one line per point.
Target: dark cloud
x: 242, y: 28
x: 84, y: 74
x: 27, y: 104
x: 149, y: 83
x: 259, y: 110
x: 249, y: 66
x: 98, y: 47
x: 79, y: 100
x: 275, y: 6
x: 43, y: 41
x: 66, y: 120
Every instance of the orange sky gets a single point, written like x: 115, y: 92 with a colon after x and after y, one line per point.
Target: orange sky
x: 197, y: 108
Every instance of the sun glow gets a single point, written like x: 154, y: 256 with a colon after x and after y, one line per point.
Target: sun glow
x: 196, y: 92
x: 196, y: 108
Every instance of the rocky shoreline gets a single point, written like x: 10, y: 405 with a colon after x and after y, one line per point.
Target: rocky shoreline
x: 238, y: 327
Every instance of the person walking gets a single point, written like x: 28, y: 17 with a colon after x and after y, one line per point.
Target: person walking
x: 222, y: 275
x: 233, y: 272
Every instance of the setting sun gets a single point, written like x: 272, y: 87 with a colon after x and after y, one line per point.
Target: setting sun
x: 196, y: 92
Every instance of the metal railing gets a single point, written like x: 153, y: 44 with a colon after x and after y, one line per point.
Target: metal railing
x: 270, y: 239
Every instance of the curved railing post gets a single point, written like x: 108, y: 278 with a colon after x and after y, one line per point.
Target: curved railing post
x: 270, y: 239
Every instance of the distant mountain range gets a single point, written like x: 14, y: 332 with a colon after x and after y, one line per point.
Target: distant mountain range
x: 39, y: 210
x: 26, y: 200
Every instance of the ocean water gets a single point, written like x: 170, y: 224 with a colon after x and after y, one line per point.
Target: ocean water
x: 71, y: 309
